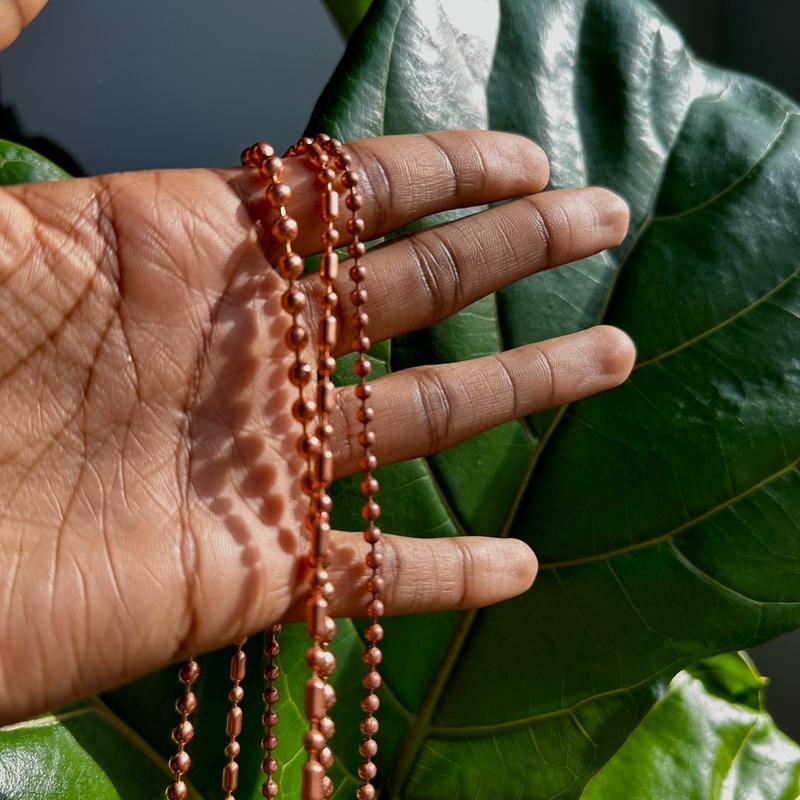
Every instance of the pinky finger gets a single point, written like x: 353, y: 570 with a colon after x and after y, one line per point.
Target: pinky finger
x: 424, y: 575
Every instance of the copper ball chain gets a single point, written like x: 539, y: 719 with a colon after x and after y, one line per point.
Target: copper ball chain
x: 333, y: 165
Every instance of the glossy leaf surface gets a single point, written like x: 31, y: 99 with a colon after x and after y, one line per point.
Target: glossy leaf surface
x: 698, y: 741
x: 18, y: 164
x: 348, y: 13
x: 664, y: 513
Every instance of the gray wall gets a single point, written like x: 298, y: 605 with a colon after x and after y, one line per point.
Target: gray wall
x: 754, y: 36
x: 154, y: 83
x: 132, y: 85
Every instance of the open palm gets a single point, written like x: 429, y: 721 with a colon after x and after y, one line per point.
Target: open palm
x: 149, y: 491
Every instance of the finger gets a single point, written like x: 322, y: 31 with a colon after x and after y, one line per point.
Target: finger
x: 427, y: 276
x: 423, y: 575
x: 201, y: 221
x: 14, y: 16
x: 425, y: 409
x: 408, y: 177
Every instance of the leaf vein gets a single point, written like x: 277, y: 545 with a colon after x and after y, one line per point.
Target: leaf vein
x: 678, y: 530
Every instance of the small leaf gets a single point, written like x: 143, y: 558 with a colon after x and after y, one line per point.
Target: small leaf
x: 695, y: 745
x: 348, y: 14
x: 18, y: 164
x: 732, y: 677
x: 84, y: 751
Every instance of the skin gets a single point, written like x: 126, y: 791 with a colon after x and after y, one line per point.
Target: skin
x: 149, y: 498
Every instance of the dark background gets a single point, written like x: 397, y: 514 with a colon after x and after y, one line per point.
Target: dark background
x: 123, y: 85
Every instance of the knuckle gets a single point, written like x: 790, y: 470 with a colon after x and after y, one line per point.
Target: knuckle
x: 377, y: 183
x: 428, y: 277
x: 391, y: 570
x: 548, y: 372
x: 451, y: 282
x: 438, y: 271
x: 101, y: 214
x: 346, y: 441
x: 435, y: 405
x: 450, y: 162
x: 512, y: 383
x: 467, y: 569
x: 546, y: 229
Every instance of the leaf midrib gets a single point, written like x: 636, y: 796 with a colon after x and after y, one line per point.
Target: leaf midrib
x: 768, y: 148
x: 413, y: 743
x: 419, y: 732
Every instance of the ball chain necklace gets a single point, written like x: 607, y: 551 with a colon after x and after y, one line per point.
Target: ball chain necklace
x: 332, y: 164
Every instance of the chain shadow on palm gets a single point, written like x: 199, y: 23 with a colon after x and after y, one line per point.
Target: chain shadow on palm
x: 149, y: 484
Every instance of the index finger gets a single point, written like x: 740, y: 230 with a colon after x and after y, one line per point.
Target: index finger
x: 405, y: 178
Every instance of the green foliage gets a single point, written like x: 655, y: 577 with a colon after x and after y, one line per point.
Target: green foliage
x: 664, y: 513
x: 694, y: 744
x: 18, y: 164
x: 348, y: 13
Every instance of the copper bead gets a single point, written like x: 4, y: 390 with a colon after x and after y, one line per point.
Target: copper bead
x: 177, y: 790
x: 180, y: 762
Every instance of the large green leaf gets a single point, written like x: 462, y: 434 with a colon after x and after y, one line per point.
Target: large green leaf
x: 664, y: 513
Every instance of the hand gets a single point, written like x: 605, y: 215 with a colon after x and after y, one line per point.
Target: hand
x: 148, y: 482
x: 14, y: 16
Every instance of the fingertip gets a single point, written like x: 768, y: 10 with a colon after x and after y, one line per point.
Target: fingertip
x: 613, y: 212
x: 491, y: 569
x: 524, y: 564
x: 526, y: 164
x: 536, y: 163
x: 616, y: 353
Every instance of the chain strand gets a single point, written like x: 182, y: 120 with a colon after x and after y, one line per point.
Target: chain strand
x: 328, y: 157
x: 290, y: 266
x: 233, y: 722
x: 320, y: 695
x: 370, y: 703
x: 183, y: 733
x: 269, y: 765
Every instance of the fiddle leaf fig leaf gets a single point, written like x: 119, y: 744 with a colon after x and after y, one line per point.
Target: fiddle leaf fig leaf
x: 348, y: 14
x: 693, y: 744
x: 83, y: 751
x: 664, y: 513
x: 18, y: 164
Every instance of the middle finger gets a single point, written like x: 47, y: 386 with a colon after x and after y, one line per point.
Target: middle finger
x: 422, y: 278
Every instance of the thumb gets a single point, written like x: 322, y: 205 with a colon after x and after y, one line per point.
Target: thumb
x: 14, y: 16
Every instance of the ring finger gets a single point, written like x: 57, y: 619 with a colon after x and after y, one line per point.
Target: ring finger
x: 422, y: 410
